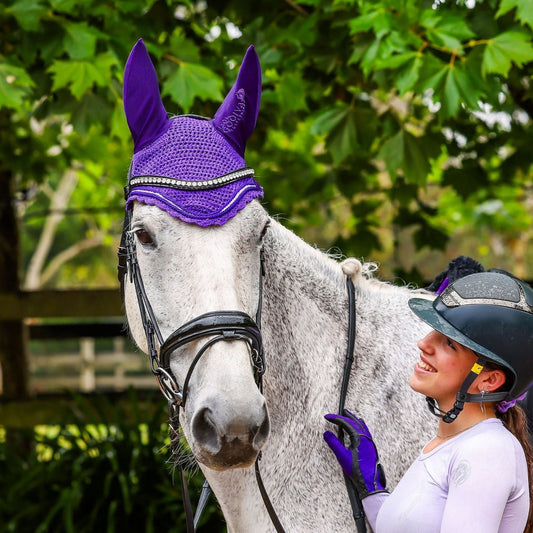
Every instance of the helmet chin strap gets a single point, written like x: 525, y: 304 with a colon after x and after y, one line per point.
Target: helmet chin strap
x: 463, y: 396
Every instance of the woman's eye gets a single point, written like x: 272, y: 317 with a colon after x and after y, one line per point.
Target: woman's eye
x: 143, y: 236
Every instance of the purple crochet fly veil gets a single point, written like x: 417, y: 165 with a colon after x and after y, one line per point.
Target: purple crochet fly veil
x: 191, y: 167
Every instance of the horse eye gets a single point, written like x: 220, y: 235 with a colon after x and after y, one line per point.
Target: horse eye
x: 265, y: 229
x: 144, y: 237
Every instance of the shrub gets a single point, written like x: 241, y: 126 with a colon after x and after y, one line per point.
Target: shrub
x: 108, y: 471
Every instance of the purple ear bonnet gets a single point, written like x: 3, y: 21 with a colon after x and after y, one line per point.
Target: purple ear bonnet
x: 191, y: 167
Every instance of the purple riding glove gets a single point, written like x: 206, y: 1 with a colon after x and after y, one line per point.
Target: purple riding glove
x: 360, y: 460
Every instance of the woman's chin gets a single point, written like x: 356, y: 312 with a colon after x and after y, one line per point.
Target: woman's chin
x: 417, y: 385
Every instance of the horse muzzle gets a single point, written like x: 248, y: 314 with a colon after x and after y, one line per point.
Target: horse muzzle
x: 224, y: 438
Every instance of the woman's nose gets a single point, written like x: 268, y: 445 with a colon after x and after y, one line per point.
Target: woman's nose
x: 426, y: 343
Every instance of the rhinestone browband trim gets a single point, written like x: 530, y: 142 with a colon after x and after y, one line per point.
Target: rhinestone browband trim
x: 189, y: 185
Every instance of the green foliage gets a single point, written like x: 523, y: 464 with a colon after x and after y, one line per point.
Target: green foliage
x: 80, y: 75
x: 359, y: 98
x: 191, y: 81
x: 107, y: 471
x: 504, y: 50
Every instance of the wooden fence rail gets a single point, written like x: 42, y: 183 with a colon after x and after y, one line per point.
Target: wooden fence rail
x: 88, y: 370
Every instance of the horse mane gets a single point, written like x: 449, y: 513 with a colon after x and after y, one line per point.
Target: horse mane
x: 362, y: 274
x: 333, y: 265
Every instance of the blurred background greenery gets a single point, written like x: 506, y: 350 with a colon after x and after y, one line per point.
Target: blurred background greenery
x: 108, y: 469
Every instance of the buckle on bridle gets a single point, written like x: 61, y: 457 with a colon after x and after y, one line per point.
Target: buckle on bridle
x: 169, y: 387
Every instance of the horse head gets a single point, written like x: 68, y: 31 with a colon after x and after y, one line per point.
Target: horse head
x: 193, y: 265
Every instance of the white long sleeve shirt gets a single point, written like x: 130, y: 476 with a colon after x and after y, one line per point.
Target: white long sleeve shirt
x: 474, y: 482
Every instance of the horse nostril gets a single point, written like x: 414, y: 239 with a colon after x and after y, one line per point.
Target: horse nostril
x: 260, y: 433
x: 213, y: 435
x: 204, y: 430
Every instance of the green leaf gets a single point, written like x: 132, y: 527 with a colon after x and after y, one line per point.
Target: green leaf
x: 64, y: 6
x: 370, y: 56
x: 373, y: 20
x: 81, y: 75
x: 27, y: 13
x: 341, y: 125
x: 432, y: 74
x: 451, y: 94
x: 119, y: 126
x: 466, y: 180
x: 184, y: 49
x: 416, y: 165
x: 505, y: 49
x: 291, y: 92
x: 327, y: 120
x: 191, y: 81
x: 392, y: 153
x: 407, y: 76
x: 524, y: 11
x: 446, y: 29
x: 427, y: 235
x: 396, y: 60
x: 454, y: 84
x: 471, y: 84
x: 15, y: 83
x: 80, y: 40
x: 408, y: 153
x: 342, y: 140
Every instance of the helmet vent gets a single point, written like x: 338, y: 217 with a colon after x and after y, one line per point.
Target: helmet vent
x: 489, y: 289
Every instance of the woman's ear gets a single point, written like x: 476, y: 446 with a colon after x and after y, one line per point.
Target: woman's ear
x: 491, y: 380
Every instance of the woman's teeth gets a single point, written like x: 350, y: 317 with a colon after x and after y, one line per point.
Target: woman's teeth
x: 425, y: 366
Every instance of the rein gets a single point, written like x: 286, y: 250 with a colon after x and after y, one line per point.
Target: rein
x: 223, y: 326
x: 355, y: 501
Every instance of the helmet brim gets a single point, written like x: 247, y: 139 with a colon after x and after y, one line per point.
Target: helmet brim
x: 424, y: 310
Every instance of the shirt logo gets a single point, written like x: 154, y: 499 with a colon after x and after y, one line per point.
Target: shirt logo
x: 461, y: 473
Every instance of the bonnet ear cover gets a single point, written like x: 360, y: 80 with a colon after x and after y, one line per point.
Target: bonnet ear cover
x: 237, y: 116
x: 189, y: 166
x: 146, y: 116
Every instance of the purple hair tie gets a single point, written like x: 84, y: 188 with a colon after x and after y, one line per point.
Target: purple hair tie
x: 503, y: 406
x: 443, y: 285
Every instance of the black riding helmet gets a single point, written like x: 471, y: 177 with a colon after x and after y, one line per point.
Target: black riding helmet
x: 492, y: 314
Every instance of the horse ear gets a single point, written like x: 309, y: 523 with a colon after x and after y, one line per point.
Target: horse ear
x: 237, y: 115
x: 146, y: 116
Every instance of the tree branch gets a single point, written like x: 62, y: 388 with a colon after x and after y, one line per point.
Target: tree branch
x: 66, y: 255
x: 298, y: 8
x: 60, y: 200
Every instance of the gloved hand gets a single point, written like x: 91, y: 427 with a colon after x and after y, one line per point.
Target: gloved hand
x: 359, y: 460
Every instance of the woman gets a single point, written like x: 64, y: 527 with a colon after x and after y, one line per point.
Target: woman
x: 473, y: 476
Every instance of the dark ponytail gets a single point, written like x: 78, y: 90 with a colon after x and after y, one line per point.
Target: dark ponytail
x: 515, y: 421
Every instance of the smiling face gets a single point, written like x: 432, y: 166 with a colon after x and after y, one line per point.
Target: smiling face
x: 442, y: 368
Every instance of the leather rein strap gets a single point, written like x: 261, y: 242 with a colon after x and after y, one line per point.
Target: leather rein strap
x: 355, y: 501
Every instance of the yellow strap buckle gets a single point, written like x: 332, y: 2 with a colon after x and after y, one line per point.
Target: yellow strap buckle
x: 477, y: 368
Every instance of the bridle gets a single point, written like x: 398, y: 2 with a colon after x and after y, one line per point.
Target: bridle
x: 220, y: 326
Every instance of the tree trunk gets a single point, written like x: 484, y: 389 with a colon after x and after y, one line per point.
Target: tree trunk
x: 13, y: 334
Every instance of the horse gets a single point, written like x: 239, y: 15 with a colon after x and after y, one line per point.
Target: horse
x: 234, y: 265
